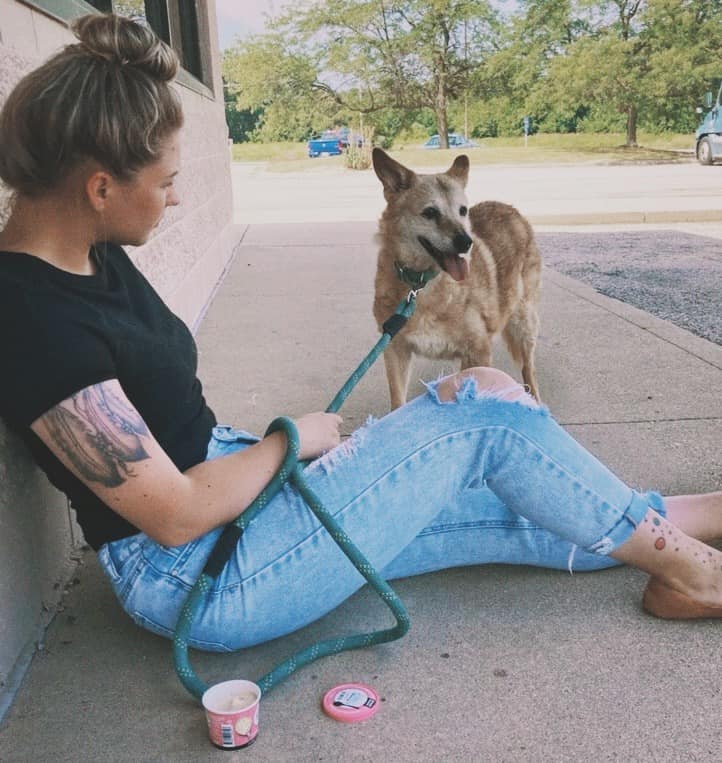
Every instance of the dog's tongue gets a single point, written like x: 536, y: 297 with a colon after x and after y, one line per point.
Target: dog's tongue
x: 457, y: 267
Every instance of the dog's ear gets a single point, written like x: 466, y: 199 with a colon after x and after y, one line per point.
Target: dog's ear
x: 459, y: 170
x: 394, y: 176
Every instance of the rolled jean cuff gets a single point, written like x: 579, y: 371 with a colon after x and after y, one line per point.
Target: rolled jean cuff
x: 629, y: 521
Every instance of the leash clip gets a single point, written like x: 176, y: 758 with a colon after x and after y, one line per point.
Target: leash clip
x: 412, y: 295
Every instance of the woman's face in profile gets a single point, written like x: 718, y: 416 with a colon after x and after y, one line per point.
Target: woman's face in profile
x: 138, y: 204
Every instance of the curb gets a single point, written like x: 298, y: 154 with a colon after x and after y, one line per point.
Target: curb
x: 625, y: 218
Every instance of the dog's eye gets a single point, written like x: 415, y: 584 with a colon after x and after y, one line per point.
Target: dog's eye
x: 430, y: 213
x: 463, y: 211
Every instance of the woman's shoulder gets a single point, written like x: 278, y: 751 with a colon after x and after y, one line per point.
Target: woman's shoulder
x: 34, y: 293
x: 15, y: 266
x: 17, y: 275
x: 24, y: 274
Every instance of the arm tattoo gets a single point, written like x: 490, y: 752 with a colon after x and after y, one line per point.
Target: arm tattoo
x: 99, y: 434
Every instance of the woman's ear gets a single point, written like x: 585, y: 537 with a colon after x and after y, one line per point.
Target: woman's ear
x: 97, y: 189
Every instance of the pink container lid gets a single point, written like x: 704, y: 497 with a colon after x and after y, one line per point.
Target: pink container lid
x: 351, y: 703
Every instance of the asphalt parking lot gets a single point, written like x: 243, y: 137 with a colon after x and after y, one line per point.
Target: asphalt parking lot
x: 549, y: 194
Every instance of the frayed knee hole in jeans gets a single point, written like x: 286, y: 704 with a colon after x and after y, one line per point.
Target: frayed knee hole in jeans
x: 481, y: 382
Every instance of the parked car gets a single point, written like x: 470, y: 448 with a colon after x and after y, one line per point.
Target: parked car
x: 332, y: 142
x: 708, y: 138
x: 455, y: 141
x: 327, y: 144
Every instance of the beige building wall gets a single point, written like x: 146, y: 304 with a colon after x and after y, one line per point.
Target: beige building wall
x: 184, y: 260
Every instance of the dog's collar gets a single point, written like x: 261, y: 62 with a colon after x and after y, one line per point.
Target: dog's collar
x: 416, y: 279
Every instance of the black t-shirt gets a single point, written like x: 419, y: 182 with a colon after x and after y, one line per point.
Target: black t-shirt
x: 61, y: 332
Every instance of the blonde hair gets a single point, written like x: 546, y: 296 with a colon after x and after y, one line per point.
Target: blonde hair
x: 106, y: 97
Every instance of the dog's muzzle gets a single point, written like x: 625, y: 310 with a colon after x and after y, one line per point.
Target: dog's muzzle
x: 451, y: 262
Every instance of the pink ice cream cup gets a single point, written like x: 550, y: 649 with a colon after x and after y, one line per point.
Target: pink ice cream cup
x: 232, y: 713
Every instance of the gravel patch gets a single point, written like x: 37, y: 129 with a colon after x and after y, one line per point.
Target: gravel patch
x: 672, y: 275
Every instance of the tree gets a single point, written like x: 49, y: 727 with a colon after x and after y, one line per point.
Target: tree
x: 241, y: 122
x: 512, y: 81
x: 644, y: 58
x: 684, y: 40
x: 606, y: 65
x: 130, y: 8
x: 405, y: 54
x: 569, y: 64
x: 265, y: 75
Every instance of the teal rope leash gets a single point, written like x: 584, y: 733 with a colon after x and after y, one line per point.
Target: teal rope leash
x: 392, y: 326
x: 291, y: 470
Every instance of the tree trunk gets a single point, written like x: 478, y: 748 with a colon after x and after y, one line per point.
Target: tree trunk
x: 631, y: 126
x: 443, y: 127
x: 442, y: 123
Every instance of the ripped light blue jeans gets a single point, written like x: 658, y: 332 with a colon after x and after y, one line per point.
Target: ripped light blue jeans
x: 480, y: 479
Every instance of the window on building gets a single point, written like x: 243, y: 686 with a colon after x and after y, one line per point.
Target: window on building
x: 183, y: 24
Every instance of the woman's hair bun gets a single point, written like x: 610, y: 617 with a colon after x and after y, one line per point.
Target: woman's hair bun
x: 126, y: 42
x: 107, y: 98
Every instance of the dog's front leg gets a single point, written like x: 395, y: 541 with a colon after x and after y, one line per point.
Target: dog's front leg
x: 478, y: 352
x: 397, y: 359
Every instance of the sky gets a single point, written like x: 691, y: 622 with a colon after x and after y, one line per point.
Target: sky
x: 241, y: 18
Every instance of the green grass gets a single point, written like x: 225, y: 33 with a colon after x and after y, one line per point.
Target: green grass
x: 268, y: 152
x: 540, y: 149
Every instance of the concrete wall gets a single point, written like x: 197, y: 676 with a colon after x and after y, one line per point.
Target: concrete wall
x: 184, y: 260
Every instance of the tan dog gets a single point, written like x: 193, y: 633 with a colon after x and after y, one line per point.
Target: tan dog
x: 427, y: 229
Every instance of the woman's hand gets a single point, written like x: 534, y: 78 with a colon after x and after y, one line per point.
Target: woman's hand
x: 317, y: 433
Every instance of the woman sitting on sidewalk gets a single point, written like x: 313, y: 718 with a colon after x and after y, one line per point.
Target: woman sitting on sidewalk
x: 100, y: 382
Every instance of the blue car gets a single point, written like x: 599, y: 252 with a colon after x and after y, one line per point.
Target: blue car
x: 329, y: 144
x: 455, y: 141
x: 332, y: 142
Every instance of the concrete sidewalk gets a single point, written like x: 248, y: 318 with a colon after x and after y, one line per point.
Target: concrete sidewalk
x: 501, y: 664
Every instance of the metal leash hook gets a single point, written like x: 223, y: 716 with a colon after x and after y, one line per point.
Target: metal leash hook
x: 291, y: 471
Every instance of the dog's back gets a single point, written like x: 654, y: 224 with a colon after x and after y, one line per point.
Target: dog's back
x: 509, y: 239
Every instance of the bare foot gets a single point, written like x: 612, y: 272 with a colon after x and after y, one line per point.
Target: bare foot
x: 677, y: 560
